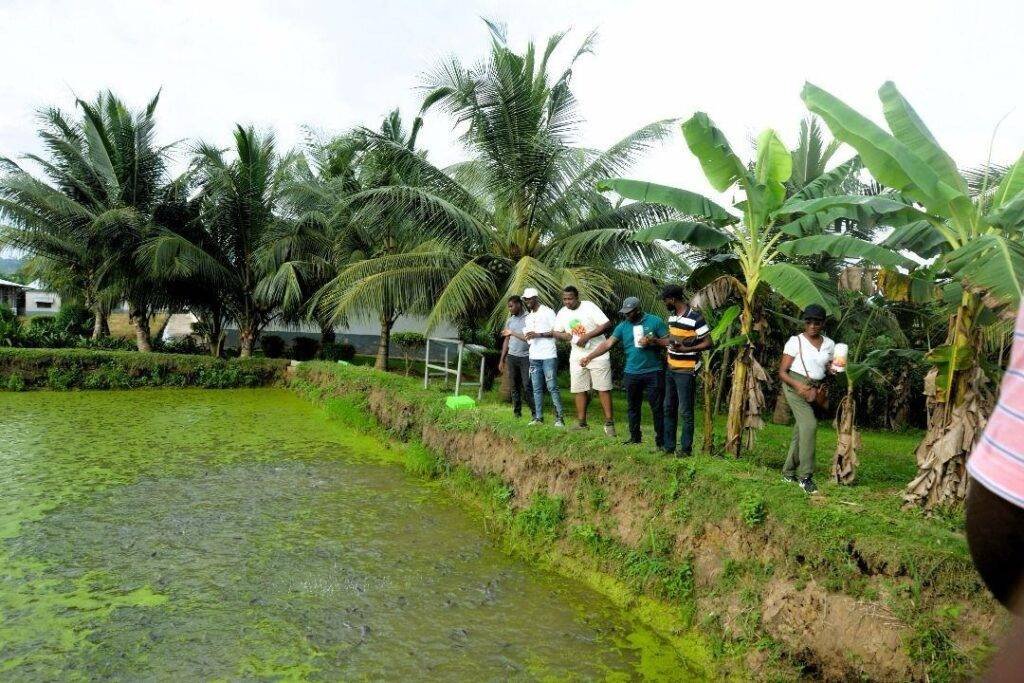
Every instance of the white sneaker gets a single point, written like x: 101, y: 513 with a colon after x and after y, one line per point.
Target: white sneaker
x: 559, y: 422
x: 609, y: 429
x: 535, y: 421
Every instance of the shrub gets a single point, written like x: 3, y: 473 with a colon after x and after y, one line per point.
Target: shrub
x: 185, y: 345
x: 343, y: 351
x: 272, y: 345
x: 408, y: 343
x: 305, y: 348
x: 10, y: 328
x: 74, y: 319
x: 64, y: 369
x: 107, y: 344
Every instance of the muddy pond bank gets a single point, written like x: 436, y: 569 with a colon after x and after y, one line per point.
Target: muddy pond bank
x: 193, y: 534
x: 776, y: 586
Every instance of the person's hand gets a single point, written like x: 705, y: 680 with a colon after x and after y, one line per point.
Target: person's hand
x: 808, y: 393
x: 584, y: 361
x: 506, y: 332
x: 582, y: 340
x: 501, y: 367
x: 530, y: 335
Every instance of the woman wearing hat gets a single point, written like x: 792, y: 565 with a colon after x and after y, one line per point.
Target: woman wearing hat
x: 806, y: 359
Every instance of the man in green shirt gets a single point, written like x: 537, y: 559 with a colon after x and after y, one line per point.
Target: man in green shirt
x: 645, y: 368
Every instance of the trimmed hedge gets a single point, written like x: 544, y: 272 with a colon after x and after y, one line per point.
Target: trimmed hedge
x: 64, y: 369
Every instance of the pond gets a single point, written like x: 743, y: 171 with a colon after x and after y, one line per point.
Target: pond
x: 241, y: 534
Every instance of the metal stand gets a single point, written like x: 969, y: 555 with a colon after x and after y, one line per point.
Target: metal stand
x: 446, y: 371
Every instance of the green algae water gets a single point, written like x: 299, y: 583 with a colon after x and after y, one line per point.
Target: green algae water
x: 240, y: 534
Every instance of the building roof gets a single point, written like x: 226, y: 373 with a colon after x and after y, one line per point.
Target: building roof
x: 8, y: 283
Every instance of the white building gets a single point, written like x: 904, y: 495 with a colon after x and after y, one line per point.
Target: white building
x: 39, y: 301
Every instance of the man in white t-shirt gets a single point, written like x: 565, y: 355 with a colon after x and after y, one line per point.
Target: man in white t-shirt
x: 584, y: 325
x: 538, y: 329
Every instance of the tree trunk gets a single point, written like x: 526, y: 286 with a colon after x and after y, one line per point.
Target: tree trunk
x: 384, y: 345
x: 143, y: 338
x: 707, y: 407
x: 246, y: 341
x: 782, y: 415
x: 844, y: 462
x: 746, y: 398
x: 99, y: 322
x: 327, y: 335
x: 956, y: 417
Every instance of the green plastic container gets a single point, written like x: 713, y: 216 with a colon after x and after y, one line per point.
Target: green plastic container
x: 459, y: 402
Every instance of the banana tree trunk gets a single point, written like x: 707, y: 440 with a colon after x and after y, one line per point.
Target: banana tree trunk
x: 746, y: 398
x: 845, y: 462
x: 781, y: 415
x: 957, y: 413
x: 707, y: 408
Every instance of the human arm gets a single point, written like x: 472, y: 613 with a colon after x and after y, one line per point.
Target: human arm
x: 806, y: 391
x: 602, y: 329
x: 504, y: 354
x: 601, y: 349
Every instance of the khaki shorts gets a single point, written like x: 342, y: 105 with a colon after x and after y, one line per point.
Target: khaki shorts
x: 596, y: 376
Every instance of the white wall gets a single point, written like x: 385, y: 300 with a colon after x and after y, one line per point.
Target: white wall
x: 41, y: 303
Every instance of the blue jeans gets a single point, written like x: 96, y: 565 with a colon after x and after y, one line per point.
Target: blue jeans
x: 544, y: 373
x: 649, y: 385
x: 679, y: 396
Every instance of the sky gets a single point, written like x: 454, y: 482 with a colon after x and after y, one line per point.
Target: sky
x: 335, y: 65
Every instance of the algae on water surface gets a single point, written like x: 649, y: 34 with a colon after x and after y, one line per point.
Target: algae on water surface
x: 225, y: 534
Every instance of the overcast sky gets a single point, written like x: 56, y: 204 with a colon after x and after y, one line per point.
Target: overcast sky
x: 337, y: 64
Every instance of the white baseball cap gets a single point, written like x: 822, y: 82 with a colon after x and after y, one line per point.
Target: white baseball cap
x: 530, y: 293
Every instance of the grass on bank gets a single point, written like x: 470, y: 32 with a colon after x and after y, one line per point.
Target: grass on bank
x: 849, y: 525
x: 854, y: 540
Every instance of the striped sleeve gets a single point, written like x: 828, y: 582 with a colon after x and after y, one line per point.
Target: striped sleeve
x: 997, y: 462
x: 700, y: 325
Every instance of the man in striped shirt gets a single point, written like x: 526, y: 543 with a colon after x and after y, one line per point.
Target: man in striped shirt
x: 688, y: 336
x: 995, y: 499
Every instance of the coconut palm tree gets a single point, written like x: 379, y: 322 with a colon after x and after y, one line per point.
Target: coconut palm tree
x: 973, y: 238
x: 105, y: 175
x: 747, y: 243
x: 225, y: 249
x: 521, y: 211
x: 323, y: 253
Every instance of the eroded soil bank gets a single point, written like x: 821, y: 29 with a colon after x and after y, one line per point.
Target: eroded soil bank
x: 776, y: 587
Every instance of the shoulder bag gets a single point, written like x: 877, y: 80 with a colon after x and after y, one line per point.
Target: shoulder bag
x: 820, y: 400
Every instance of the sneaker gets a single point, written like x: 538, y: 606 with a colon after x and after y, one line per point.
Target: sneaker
x: 789, y: 479
x: 808, y: 485
x: 609, y: 429
x: 630, y: 442
x: 680, y: 453
x: 580, y: 427
x: 559, y: 422
x: 535, y: 421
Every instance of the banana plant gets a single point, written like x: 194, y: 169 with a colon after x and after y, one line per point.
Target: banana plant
x: 722, y: 339
x: 974, y: 239
x: 749, y: 234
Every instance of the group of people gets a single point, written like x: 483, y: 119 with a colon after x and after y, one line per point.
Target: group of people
x: 662, y: 359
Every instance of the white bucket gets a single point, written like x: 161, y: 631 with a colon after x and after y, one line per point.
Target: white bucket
x: 839, y: 357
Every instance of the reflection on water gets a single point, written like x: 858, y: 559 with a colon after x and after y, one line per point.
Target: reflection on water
x: 181, y: 534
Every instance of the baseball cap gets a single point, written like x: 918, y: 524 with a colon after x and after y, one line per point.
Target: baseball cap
x: 530, y: 293
x: 814, y: 312
x: 628, y: 304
